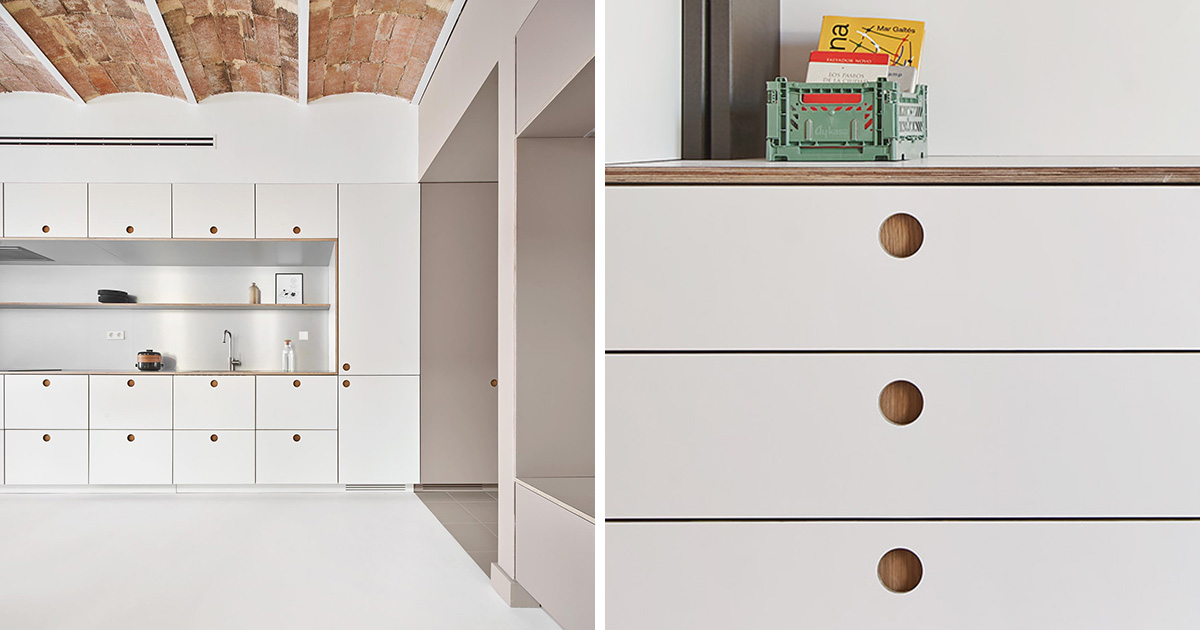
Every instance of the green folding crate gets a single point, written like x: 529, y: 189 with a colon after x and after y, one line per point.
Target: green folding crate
x: 844, y: 121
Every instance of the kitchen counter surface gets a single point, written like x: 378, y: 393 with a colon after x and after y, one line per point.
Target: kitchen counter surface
x: 164, y: 372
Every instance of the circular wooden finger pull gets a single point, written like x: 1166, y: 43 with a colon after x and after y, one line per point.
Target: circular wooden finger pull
x: 129, y: 437
x: 129, y: 229
x: 296, y: 230
x: 901, y: 402
x: 212, y: 230
x: 46, y: 437
x: 45, y: 229
x: 213, y: 383
x: 495, y: 382
x: 345, y: 383
x: 296, y: 438
x: 900, y: 570
x: 345, y: 367
x: 46, y: 382
x: 296, y: 383
x: 129, y: 382
x: 901, y: 235
x: 213, y: 437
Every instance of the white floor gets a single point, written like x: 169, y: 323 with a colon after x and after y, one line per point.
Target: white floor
x: 220, y: 561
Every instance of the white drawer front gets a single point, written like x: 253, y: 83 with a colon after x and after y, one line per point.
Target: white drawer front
x: 297, y: 402
x: 1007, y: 435
x: 985, y: 576
x: 743, y: 268
x: 213, y: 211
x: 379, y: 429
x: 200, y: 459
x: 45, y: 210
x: 132, y: 456
x: 130, y: 402
x: 129, y: 210
x: 48, y: 457
x: 214, y: 402
x: 307, y: 457
x: 35, y: 401
x: 295, y: 211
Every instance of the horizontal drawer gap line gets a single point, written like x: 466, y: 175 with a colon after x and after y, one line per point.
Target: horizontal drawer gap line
x: 921, y: 351
x: 912, y: 519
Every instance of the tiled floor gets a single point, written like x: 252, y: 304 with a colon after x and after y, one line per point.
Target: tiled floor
x: 469, y: 516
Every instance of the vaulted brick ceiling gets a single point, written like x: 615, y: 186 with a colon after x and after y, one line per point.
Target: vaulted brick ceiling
x: 108, y: 46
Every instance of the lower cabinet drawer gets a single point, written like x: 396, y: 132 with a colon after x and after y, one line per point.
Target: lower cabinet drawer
x: 1032, y: 575
x: 556, y: 559
x: 130, y: 456
x: 307, y: 457
x: 809, y: 435
x: 49, y: 457
x: 214, y: 457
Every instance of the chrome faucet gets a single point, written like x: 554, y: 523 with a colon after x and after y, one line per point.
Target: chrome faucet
x: 233, y: 363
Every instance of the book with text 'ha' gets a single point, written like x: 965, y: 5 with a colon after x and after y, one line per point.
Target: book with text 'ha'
x: 900, y: 40
x: 846, y: 67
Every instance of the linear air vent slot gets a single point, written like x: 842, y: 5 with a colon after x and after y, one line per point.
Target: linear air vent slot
x: 377, y: 488
x: 108, y: 141
x: 13, y: 253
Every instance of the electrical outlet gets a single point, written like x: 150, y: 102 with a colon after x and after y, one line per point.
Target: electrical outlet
x: 116, y: 335
x: 303, y: 335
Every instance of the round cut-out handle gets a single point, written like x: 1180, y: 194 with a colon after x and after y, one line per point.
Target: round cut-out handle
x: 901, y: 402
x: 901, y: 235
x: 900, y: 570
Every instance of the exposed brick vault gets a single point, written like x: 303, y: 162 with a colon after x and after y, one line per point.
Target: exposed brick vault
x: 99, y: 46
x: 378, y: 46
x: 236, y: 45
x: 108, y: 46
x: 20, y: 70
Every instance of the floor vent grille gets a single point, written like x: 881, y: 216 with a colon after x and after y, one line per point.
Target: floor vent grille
x: 107, y: 141
x: 403, y: 487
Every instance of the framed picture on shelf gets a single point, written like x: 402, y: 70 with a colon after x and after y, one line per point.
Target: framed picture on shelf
x: 289, y: 288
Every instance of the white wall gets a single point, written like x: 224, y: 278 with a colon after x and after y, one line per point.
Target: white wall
x: 1031, y: 77
x: 355, y: 138
x: 643, y: 80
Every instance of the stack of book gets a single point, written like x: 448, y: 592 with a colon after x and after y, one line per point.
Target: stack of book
x: 858, y: 50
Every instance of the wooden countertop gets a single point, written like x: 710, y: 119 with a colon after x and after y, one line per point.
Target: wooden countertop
x: 934, y: 170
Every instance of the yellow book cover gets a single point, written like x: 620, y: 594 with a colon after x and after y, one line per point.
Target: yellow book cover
x: 899, y: 39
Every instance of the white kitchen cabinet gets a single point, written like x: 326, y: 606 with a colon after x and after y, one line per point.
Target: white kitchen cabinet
x: 379, y: 430
x: 45, y: 210
x: 214, y: 402
x: 132, y: 456
x: 379, y: 273
x: 295, y: 211
x: 1100, y: 575
x: 129, y: 210
x: 130, y: 402
x: 214, y: 457
x: 37, y: 401
x: 1000, y: 267
x: 803, y: 435
x: 296, y: 402
x: 49, y: 456
x: 556, y: 559
x: 296, y: 457
x: 213, y: 211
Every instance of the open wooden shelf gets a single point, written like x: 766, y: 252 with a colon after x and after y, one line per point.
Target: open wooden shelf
x: 166, y: 306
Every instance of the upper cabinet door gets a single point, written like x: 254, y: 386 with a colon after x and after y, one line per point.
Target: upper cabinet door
x: 295, y: 211
x: 379, y: 278
x: 129, y: 210
x: 213, y: 211
x: 45, y: 210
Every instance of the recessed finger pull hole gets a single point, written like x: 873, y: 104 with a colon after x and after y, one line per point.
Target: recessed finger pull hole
x: 900, y: 570
x: 901, y: 402
x: 46, y: 437
x: 129, y: 229
x: 901, y: 235
x: 296, y: 230
x: 212, y: 383
x: 296, y: 437
x: 46, y: 382
x: 45, y: 229
x: 296, y: 383
x: 213, y: 437
x: 212, y: 230
x: 130, y: 437
x: 130, y: 382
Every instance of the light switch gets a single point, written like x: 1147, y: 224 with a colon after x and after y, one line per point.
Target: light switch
x: 303, y: 335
